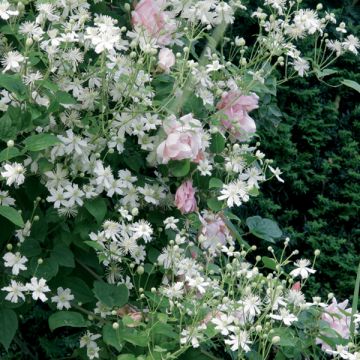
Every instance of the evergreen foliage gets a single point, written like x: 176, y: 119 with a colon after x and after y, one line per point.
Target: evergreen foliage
x: 319, y: 134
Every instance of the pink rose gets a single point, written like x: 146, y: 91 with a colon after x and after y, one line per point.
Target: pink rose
x: 185, y: 198
x: 184, y: 140
x: 296, y: 286
x: 214, y: 231
x: 149, y: 15
x: 236, y: 107
x: 337, y: 320
x: 166, y: 59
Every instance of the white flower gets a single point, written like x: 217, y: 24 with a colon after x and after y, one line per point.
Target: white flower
x: 12, y: 61
x: 277, y: 172
x: 88, y: 339
x: 302, y: 269
x: 5, y: 11
x: 170, y: 223
x: 234, y: 193
x: 142, y: 229
x: 14, y: 173
x: 92, y: 351
x: 15, y: 261
x: 198, y: 283
x: 14, y: 290
x: 239, y: 340
x: 63, y: 298
x: 5, y: 199
x: 351, y: 43
x: 223, y: 323
x: 250, y: 306
x: 38, y: 288
x: 102, y: 309
x: 341, y: 351
x: 192, y: 336
x: 301, y: 66
x: 175, y: 291
x: 285, y: 316
x: 215, y: 66
x: 73, y: 143
x: 73, y: 195
x: 57, y: 197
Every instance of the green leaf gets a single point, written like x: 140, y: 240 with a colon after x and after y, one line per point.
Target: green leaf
x: 66, y: 318
x: 9, y: 153
x: 126, y: 357
x: 12, y: 215
x: 65, y: 98
x: 269, y: 263
x: 111, y: 337
x: 217, y: 144
x: 235, y: 233
x: 63, y: 255
x: 47, y: 270
x: 351, y: 84
x: 214, y: 204
x: 265, y: 229
x: 215, y: 183
x: 8, y: 327
x: 325, y: 72
x: 40, y: 142
x: 12, y: 83
x: 134, y: 337
x: 111, y: 295
x: 95, y: 245
x: 7, y: 130
x: 79, y: 288
x: 286, y: 335
x: 97, y: 208
x: 180, y: 168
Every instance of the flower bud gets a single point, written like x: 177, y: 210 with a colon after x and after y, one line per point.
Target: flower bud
x: 115, y: 325
x: 275, y: 339
x: 9, y: 247
x: 317, y: 252
x: 140, y: 270
x: 29, y: 42
x: 10, y: 143
x: 40, y: 261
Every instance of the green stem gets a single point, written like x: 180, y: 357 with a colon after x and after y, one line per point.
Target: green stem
x: 355, y: 302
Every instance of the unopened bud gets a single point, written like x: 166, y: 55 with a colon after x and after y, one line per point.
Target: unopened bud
x: 10, y: 143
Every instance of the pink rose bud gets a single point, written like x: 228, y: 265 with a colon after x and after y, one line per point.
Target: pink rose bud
x: 185, y: 198
x: 166, y: 59
x: 149, y: 15
x: 184, y: 140
x: 236, y: 107
x: 296, y: 286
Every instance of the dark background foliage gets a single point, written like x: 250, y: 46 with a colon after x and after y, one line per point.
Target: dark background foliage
x: 316, y: 144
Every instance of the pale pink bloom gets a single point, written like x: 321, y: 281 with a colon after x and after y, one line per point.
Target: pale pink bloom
x: 338, y: 321
x: 149, y: 15
x: 214, y: 231
x: 185, y: 197
x: 166, y: 59
x: 296, y: 286
x: 236, y: 108
x: 184, y: 140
